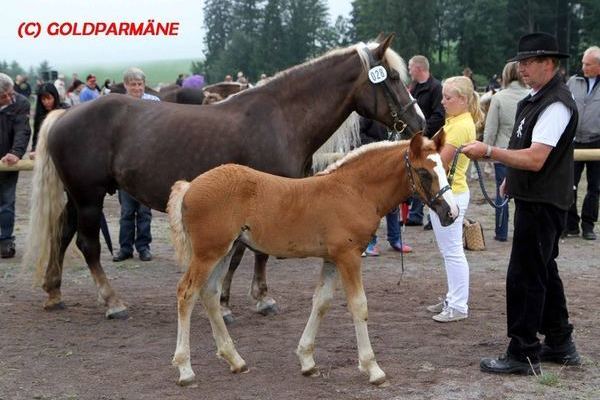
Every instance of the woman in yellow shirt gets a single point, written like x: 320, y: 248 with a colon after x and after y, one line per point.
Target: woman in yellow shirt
x: 462, y: 114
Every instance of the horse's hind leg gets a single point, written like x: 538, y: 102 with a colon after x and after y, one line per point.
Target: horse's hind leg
x: 199, y: 275
x: 238, y: 252
x: 265, y: 305
x: 321, y: 302
x: 53, y: 276
x: 209, y: 295
x: 349, y: 270
x: 88, y: 241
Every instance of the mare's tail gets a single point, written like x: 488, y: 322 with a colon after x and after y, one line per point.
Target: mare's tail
x: 47, y: 205
x: 179, y: 235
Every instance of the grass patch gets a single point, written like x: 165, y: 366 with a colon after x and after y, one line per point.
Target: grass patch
x: 549, y: 379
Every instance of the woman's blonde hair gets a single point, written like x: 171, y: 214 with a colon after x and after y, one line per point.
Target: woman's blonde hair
x: 511, y: 73
x: 463, y: 87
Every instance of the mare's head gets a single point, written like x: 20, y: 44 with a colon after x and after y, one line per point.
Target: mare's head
x: 427, y: 176
x: 382, y: 94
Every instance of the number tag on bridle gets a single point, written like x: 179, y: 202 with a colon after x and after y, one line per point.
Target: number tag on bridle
x: 377, y: 74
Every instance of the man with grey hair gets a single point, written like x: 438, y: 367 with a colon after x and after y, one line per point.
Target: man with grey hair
x: 134, y: 224
x: 587, y: 96
x: 14, y: 138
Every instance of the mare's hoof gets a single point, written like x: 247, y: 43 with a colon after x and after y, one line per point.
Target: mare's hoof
x: 55, y: 306
x: 123, y: 314
x: 269, y: 309
x: 228, y: 318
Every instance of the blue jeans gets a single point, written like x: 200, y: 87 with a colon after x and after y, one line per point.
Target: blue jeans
x: 392, y: 220
x: 416, y: 210
x: 134, y: 224
x: 501, y: 213
x: 8, y: 190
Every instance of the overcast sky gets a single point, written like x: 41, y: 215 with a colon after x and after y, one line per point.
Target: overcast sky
x: 74, y: 50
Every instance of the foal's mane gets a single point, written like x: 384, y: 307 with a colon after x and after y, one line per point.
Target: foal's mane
x: 356, y: 153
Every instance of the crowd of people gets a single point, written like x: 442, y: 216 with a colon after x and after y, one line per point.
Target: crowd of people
x: 533, y: 123
x: 15, y: 133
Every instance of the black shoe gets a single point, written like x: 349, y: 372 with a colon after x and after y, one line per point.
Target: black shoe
x: 428, y: 226
x: 145, y: 255
x: 565, y: 355
x: 589, y: 235
x: 508, y: 364
x: 122, y: 256
x: 7, y: 249
x: 500, y: 239
x: 413, y: 223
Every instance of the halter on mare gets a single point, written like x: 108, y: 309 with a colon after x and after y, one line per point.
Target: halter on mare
x: 379, y: 74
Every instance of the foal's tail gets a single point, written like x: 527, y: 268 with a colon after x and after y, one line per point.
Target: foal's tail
x: 47, y: 205
x: 179, y: 235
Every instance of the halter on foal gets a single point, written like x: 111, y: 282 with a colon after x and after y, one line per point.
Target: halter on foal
x: 333, y: 216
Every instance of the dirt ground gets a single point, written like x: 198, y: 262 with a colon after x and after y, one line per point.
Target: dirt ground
x: 77, y: 354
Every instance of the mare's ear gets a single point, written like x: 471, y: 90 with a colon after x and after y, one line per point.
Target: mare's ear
x: 416, y: 144
x: 380, y: 37
x: 439, y: 139
x: 380, y: 50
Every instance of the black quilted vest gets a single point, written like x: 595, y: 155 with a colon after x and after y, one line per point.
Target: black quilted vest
x: 554, y: 182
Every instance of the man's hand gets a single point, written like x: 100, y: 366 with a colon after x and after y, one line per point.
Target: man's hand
x: 475, y: 150
x: 9, y: 159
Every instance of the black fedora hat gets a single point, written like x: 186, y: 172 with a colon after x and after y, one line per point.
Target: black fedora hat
x: 538, y: 44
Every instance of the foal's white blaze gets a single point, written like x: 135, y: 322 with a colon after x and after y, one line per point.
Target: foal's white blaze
x: 443, y: 181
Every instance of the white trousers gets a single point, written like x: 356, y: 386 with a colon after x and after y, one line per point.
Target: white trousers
x: 450, y: 243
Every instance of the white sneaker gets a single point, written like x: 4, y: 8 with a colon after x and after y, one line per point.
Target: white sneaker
x: 437, y: 308
x: 449, y: 314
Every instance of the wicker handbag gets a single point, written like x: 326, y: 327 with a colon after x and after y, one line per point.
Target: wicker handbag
x: 473, y: 235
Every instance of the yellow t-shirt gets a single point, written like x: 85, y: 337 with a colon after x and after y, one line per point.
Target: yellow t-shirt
x: 460, y: 129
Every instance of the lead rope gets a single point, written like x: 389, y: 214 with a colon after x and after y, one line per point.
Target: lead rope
x: 481, y: 185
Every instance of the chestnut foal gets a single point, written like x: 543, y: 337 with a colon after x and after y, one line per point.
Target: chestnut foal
x: 333, y: 216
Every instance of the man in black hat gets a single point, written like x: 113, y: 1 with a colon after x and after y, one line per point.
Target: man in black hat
x: 539, y: 178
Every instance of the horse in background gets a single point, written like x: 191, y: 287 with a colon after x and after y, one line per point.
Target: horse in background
x: 146, y: 146
x: 170, y: 93
x: 331, y: 215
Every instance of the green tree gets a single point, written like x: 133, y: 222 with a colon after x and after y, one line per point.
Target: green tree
x: 218, y: 19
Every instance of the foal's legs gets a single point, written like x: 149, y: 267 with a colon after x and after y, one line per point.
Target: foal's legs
x: 321, y: 302
x: 204, y: 277
x: 349, y: 270
x: 53, y: 276
x: 88, y: 241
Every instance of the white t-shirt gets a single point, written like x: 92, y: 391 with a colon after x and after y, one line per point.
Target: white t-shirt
x: 551, y: 124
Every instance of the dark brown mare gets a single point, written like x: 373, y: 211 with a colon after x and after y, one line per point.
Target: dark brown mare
x: 144, y: 147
